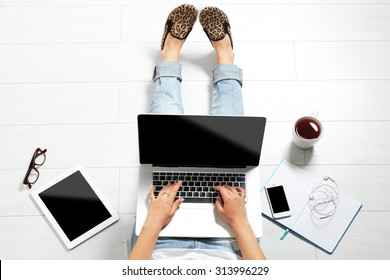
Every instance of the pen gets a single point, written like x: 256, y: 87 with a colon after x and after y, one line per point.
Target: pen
x: 284, y: 234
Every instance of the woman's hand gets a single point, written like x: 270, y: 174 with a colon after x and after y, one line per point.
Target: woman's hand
x: 160, y: 214
x: 230, y: 205
x: 163, y: 208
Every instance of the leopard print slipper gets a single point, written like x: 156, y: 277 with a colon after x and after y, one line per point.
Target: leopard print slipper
x: 180, y: 22
x: 215, y: 24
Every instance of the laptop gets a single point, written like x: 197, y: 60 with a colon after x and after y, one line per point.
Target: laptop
x: 201, y: 151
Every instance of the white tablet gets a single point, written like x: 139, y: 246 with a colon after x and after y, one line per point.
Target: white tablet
x: 74, y: 206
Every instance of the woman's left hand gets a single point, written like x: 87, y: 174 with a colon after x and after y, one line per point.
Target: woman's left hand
x: 163, y: 208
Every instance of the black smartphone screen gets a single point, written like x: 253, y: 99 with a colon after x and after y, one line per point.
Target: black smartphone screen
x: 278, y: 200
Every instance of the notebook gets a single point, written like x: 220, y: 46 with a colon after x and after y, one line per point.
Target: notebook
x: 184, y: 147
x: 325, y: 233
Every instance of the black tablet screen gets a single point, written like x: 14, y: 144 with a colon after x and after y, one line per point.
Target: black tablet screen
x: 74, y: 205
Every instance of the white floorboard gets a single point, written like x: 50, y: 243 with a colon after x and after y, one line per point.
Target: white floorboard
x: 67, y: 24
x: 74, y: 75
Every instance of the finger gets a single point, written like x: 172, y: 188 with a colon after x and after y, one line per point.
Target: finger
x: 171, y: 185
x: 166, y: 188
x: 218, y: 205
x: 242, y: 191
x: 175, y: 188
x: 170, y: 190
x: 151, y: 193
x: 176, y: 205
x: 222, y: 190
x: 233, y: 190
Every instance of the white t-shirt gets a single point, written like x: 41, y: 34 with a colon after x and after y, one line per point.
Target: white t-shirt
x: 194, y: 254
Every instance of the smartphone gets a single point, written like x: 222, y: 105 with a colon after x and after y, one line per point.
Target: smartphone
x: 278, y: 201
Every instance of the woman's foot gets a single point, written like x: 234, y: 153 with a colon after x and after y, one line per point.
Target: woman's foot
x: 223, y: 51
x: 177, y: 28
x: 215, y: 24
x: 171, y: 50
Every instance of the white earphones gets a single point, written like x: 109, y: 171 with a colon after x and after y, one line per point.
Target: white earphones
x: 323, y: 198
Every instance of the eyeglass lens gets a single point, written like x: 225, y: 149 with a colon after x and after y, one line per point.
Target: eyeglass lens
x: 38, y: 159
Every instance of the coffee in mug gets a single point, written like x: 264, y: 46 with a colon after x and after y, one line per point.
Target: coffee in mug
x: 307, y: 131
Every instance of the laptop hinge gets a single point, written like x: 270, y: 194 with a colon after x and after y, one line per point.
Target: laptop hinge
x: 194, y: 166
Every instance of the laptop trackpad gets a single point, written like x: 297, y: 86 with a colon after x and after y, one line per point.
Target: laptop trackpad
x: 194, y: 223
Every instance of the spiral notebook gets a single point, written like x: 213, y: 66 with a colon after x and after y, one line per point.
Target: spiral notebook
x: 325, y: 233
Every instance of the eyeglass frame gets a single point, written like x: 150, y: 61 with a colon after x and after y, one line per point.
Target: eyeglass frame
x: 33, y: 166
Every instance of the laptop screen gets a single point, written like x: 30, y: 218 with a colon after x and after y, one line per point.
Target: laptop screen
x: 201, y: 141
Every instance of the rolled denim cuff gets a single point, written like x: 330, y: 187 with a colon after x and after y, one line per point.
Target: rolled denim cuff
x: 167, y: 69
x: 227, y: 72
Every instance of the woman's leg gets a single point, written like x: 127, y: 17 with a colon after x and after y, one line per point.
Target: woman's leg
x: 166, y: 98
x: 167, y: 74
x: 227, y: 77
x: 227, y: 97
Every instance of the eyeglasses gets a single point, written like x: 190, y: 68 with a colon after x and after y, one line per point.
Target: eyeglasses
x: 32, y: 174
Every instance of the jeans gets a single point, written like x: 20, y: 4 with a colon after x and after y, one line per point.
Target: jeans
x: 227, y: 244
x: 226, y: 96
x: 226, y: 100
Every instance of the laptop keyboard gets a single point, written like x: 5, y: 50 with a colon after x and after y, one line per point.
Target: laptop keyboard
x: 198, y: 187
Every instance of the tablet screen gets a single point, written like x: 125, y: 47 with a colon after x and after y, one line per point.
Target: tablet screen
x: 74, y: 205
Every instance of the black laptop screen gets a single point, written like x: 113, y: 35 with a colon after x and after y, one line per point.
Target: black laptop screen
x: 206, y: 141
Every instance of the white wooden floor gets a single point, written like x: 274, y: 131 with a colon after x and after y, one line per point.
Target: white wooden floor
x: 74, y: 74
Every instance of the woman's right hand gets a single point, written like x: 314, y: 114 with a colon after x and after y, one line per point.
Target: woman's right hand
x: 230, y: 205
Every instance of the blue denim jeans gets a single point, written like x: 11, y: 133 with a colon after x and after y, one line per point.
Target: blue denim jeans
x: 227, y: 244
x: 226, y: 96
